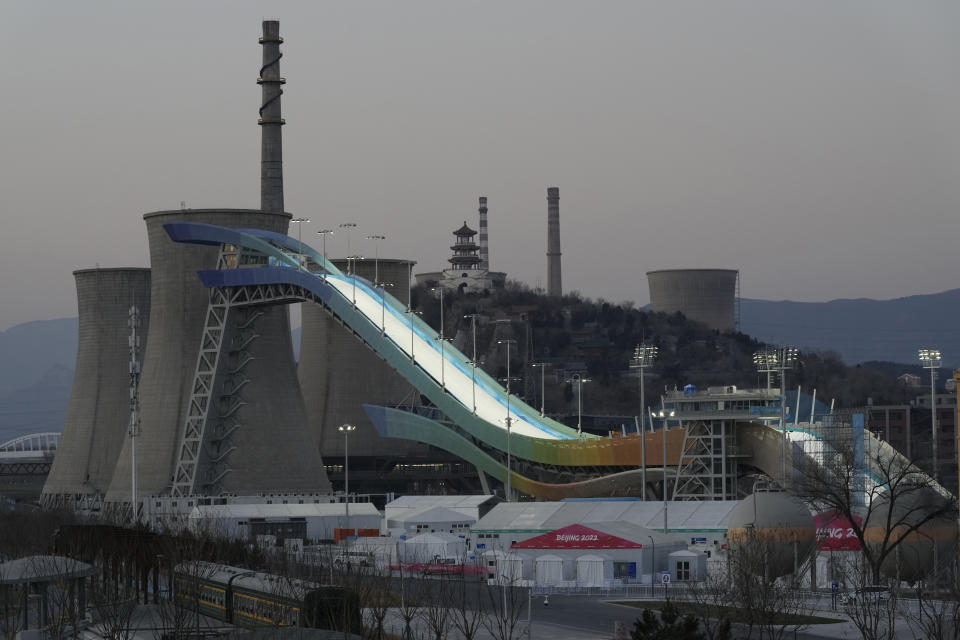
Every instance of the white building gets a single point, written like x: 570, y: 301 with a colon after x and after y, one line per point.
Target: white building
x: 412, y: 515
x: 311, y: 522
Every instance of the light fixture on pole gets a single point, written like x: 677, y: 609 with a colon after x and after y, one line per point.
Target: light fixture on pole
x: 413, y: 330
x: 353, y: 275
x: 348, y: 226
x: 323, y: 233
x: 643, y: 356
x: 383, y: 306
x: 345, y: 429
x: 766, y: 362
x: 664, y: 415
x: 299, y: 222
x: 473, y: 363
x: 443, y: 381
x: 509, y: 420
x: 376, y: 256
x: 931, y: 360
x: 543, y: 388
x: 579, y: 380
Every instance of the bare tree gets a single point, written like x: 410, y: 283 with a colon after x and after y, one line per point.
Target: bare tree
x: 505, y: 603
x: 886, y: 499
x: 466, y: 602
x: 768, y: 606
x: 435, y: 612
x: 937, y: 612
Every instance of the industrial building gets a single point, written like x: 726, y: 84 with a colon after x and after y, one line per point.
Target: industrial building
x: 98, y: 415
x: 703, y: 295
x: 308, y: 522
x: 235, y: 424
x: 410, y: 515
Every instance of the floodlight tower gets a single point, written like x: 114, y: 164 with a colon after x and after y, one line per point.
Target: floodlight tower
x: 509, y: 420
x: 931, y: 359
x: 643, y: 356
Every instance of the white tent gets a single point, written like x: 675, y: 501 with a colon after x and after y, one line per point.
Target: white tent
x: 549, y: 570
x: 590, y: 571
x: 427, y: 546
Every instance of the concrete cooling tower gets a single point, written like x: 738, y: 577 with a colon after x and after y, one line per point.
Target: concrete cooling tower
x: 256, y: 437
x: 338, y: 374
x: 703, y: 295
x: 257, y: 414
x: 98, y: 414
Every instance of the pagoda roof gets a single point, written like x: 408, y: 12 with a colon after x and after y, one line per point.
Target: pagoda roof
x: 464, y: 230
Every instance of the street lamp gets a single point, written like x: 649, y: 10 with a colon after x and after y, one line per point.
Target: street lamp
x: 443, y: 381
x: 543, y: 375
x: 376, y: 255
x: 508, y: 342
x: 473, y: 363
x: 345, y: 429
x: 348, y: 226
x: 412, y: 330
x: 299, y: 222
x: 663, y: 439
x: 383, y: 306
x: 323, y: 233
x: 931, y: 359
x: 643, y: 356
x: 353, y: 275
x: 579, y: 379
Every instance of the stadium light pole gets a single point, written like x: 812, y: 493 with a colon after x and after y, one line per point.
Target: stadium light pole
x: 376, y: 255
x: 508, y: 342
x: 353, y: 275
x: 931, y: 360
x: 579, y: 379
x: 345, y: 429
x: 663, y: 439
x: 383, y: 306
x: 323, y: 233
x: 543, y: 388
x: 443, y: 380
x: 412, y: 331
x: 473, y: 363
x: 299, y: 222
x: 348, y: 226
x: 643, y: 356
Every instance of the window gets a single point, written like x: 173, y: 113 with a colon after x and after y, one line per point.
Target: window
x: 683, y: 570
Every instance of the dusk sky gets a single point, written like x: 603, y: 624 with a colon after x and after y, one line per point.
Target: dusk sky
x: 813, y: 145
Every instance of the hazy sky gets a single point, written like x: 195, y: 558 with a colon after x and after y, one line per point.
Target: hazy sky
x: 811, y: 144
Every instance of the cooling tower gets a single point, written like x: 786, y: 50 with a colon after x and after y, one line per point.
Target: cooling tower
x: 98, y: 414
x: 338, y: 373
x: 704, y: 295
x: 554, y: 285
x: 266, y: 443
x: 484, y: 237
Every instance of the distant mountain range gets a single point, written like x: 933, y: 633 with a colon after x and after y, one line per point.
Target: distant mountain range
x: 36, y: 373
x: 861, y: 330
x: 37, y: 358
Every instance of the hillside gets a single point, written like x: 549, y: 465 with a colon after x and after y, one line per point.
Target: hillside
x: 861, y: 330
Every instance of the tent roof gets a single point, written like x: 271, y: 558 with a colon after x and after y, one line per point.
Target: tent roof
x: 43, y: 569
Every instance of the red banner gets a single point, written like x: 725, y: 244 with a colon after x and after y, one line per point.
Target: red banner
x: 835, y: 532
x: 577, y: 536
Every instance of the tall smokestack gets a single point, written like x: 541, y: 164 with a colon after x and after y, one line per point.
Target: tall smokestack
x: 554, y: 286
x: 271, y: 147
x: 484, y: 250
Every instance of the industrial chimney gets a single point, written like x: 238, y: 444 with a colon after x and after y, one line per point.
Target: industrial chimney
x: 484, y: 249
x: 260, y: 436
x: 554, y: 286
x: 271, y: 148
